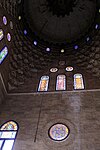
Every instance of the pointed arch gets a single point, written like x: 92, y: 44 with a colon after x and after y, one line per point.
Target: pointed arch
x: 78, y: 81
x: 8, y: 133
x: 61, y: 82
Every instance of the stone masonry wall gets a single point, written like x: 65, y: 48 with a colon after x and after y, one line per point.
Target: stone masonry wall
x: 36, y: 113
x: 2, y: 91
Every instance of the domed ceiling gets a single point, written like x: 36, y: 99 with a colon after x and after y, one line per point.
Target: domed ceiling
x: 68, y: 26
x: 59, y: 21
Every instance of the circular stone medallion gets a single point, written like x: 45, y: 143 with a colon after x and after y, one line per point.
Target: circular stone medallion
x: 58, y: 132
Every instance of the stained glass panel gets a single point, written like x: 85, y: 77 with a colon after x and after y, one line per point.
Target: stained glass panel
x: 7, y: 134
x: 53, y: 70
x: 3, y: 54
x: 61, y: 82
x: 69, y: 68
x: 43, y: 86
x: 9, y: 37
x: 78, y: 81
x: 4, y: 20
x: 9, y: 126
x: 59, y: 132
x: 1, y: 34
x: 8, y: 145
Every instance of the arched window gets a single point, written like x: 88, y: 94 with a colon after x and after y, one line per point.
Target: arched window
x: 43, y: 85
x: 4, y: 20
x: 61, y: 82
x: 3, y: 54
x: 8, y: 133
x: 1, y: 34
x: 78, y: 81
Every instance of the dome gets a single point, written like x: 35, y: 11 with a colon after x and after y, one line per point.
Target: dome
x: 59, y: 21
x: 51, y: 34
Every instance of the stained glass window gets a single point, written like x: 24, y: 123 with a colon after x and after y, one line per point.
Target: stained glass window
x: 53, y: 70
x: 69, y: 68
x: 48, y: 49
x: 8, y: 132
x: 62, y: 50
x: 43, y: 85
x: 3, y: 54
x: 1, y: 34
x: 58, y: 132
x: 78, y: 81
x: 9, y: 37
x: 61, y: 82
x: 19, y: 18
x: 35, y: 43
x: 4, y: 20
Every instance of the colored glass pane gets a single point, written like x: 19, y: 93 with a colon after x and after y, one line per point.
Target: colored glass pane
x: 9, y: 126
x: 6, y: 134
x: 62, y: 50
x: 9, y: 37
x: 78, y: 81
x: 25, y: 32
x: 53, y: 69
x: 76, y: 47
x: 4, y: 20
x: 69, y: 68
x: 61, y: 82
x: 1, y: 34
x: 35, y: 43
x: 43, y: 86
x: 19, y: 17
x: 59, y: 132
x: 48, y: 49
x: 8, y: 145
x: 3, y: 54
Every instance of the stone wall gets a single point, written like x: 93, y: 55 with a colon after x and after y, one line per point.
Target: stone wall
x: 2, y: 91
x: 36, y: 113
